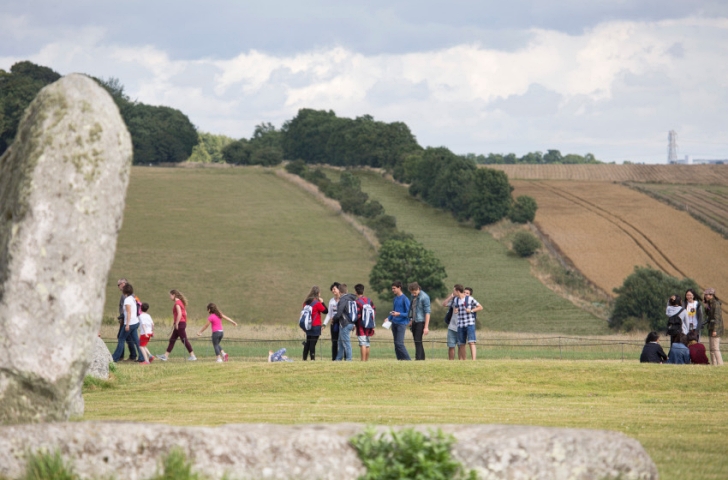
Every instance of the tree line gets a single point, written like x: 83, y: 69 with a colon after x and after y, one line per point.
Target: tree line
x: 159, y: 134
x: 551, y: 157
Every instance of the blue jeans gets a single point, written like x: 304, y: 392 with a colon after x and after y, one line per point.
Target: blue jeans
x: 345, y: 343
x: 133, y: 336
x: 399, y: 349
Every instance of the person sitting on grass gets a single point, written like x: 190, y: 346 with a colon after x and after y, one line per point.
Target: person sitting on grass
x: 652, y: 352
x: 215, y: 319
x: 697, y: 350
x: 679, y: 352
x: 279, y: 356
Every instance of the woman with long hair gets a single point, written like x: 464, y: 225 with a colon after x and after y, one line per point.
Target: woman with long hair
x: 317, y: 306
x: 179, y: 315
x: 215, y: 319
x: 694, y: 309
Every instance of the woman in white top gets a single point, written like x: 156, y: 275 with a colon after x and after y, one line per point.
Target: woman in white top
x: 131, y: 323
x: 694, y: 309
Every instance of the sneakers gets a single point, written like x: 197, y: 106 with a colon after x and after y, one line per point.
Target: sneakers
x: 151, y: 358
x: 191, y: 358
x: 225, y: 357
x: 219, y: 360
x: 163, y: 358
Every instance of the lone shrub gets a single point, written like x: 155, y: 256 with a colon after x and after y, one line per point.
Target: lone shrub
x: 407, y: 261
x: 408, y: 454
x: 525, y: 244
x: 523, y: 210
x: 643, y: 295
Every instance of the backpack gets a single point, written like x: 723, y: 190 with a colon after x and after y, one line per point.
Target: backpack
x: 139, y: 305
x: 351, y: 311
x: 367, y: 315
x: 448, y: 316
x: 674, y: 323
x: 306, y: 317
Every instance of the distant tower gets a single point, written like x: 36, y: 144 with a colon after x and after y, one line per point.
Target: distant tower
x: 672, y: 146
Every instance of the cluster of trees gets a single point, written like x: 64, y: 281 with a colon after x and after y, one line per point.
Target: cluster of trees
x: 158, y: 134
x: 209, y: 148
x: 537, y: 158
x: 643, y: 297
x: 318, y: 136
x: 452, y: 182
x: 400, y: 256
x: 263, y: 148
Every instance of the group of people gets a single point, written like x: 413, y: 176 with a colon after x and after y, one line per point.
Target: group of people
x: 136, y: 327
x: 686, y: 318
x: 347, y: 312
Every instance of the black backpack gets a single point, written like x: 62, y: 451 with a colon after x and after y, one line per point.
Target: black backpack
x: 674, y: 323
x: 448, y: 316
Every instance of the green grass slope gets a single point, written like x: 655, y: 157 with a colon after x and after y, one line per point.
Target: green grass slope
x: 685, y: 434
x: 242, y: 238
x: 513, y: 300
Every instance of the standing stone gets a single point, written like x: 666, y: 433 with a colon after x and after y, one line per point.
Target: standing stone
x: 62, y: 188
x: 100, y: 360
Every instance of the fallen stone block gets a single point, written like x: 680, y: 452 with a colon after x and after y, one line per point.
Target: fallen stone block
x: 260, y: 451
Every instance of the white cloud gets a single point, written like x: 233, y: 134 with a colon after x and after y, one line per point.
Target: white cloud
x: 614, y: 89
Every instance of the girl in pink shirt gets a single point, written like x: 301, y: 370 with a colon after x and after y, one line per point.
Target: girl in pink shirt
x: 215, y: 319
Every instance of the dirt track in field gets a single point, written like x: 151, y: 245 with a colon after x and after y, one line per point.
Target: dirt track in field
x: 606, y: 229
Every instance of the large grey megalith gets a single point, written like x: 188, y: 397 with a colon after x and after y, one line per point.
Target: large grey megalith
x: 62, y: 189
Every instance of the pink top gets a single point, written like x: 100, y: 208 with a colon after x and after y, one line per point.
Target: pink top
x: 182, y: 308
x: 216, y: 322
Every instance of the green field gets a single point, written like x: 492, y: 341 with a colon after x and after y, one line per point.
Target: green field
x: 678, y: 413
x: 513, y: 300
x: 240, y: 237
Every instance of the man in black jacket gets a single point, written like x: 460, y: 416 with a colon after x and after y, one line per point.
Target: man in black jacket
x: 346, y: 322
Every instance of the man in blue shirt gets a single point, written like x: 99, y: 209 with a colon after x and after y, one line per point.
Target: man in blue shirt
x: 400, y: 321
x: 420, y: 317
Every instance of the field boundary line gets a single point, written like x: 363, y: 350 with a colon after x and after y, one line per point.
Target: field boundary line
x: 696, y: 214
x: 606, y: 215
x: 332, y: 205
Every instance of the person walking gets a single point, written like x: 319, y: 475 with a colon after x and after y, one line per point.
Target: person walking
x: 129, y: 342
x: 400, y: 321
x: 131, y: 324
x: 346, y: 316
x: 146, y: 332
x: 714, y: 324
x: 215, y: 321
x: 419, y: 315
x: 314, y: 300
x: 179, y: 315
x: 329, y: 319
x: 465, y: 307
x: 694, y: 310
x: 363, y: 334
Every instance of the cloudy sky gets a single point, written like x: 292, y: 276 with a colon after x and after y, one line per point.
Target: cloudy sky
x: 609, y: 77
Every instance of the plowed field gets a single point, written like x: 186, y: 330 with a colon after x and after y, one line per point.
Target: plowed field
x: 685, y: 174
x: 606, y: 229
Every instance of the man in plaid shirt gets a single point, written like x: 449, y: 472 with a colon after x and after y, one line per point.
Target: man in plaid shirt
x: 465, y: 307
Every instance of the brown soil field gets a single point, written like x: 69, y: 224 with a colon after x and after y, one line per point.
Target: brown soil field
x: 606, y: 229
x: 683, y: 174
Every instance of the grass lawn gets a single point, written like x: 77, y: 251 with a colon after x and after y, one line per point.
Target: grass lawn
x: 240, y: 237
x: 679, y: 413
x: 512, y: 298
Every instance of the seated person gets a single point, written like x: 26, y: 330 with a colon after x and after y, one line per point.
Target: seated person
x: 279, y: 356
x: 679, y: 352
x: 652, y: 352
x: 697, y: 350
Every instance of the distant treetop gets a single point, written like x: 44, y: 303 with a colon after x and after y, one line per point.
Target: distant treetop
x: 533, y: 158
